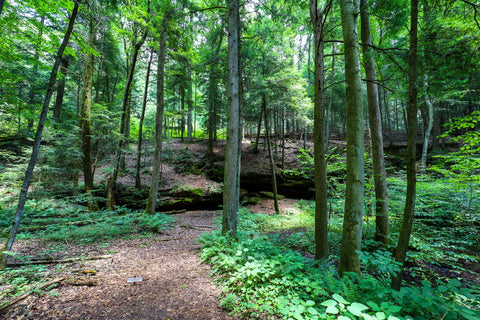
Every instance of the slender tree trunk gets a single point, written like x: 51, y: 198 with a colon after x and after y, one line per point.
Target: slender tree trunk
x: 57, y: 109
x: 282, y: 132
x: 157, y: 158
x: 330, y: 102
x: 211, y: 115
x: 409, y: 211
x: 138, y: 182
x: 259, y: 128
x: 123, y: 141
x: 38, y: 137
x: 321, y: 193
x: 270, y: 156
x: 85, y: 111
x: 33, y: 80
x: 375, y: 119
x: 189, y: 104
x: 428, y: 129
x: 231, y: 189
x: 352, y: 222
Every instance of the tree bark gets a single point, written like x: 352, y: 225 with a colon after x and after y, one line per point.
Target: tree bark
x: 428, y: 129
x: 375, y: 119
x: 232, y: 152
x: 33, y: 80
x: 138, y: 183
x: 320, y: 163
x: 189, y: 104
x: 409, y: 210
x: 123, y: 141
x: 38, y: 137
x: 157, y: 157
x: 352, y: 221
x: 213, y: 96
x: 259, y: 128
x: 57, y: 109
x: 85, y: 111
x: 270, y: 155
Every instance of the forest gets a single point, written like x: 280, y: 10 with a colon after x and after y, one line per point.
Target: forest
x: 226, y: 159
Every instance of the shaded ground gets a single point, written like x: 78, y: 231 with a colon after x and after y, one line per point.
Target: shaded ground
x: 175, y: 284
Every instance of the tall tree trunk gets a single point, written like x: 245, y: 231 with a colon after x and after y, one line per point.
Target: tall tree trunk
x: 259, y: 129
x: 157, y: 157
x: 189, y: 104
x: 428, y: 129
x: 375, y: 119
x: 33, y: 80
x: 212, y: 100
x: 231, y: 189
x: 138, y: 182
x: 321, y: 193
x: 270, y: 155
x: 182, y: 111
x: 330, y: 102
x: 409, y: 210
x: 85, y: 111
x: 38, y: 137
x: 57, y: 109
x: 352, y: 221
x: 125, y: 120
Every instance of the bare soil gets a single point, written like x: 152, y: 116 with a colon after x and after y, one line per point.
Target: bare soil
x: 175, y: 284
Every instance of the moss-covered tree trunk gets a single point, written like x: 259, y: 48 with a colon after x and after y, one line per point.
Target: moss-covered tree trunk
x: 320, y: 163
x: 352, y: 221
x: 85, y: 111
x: 231, y: 183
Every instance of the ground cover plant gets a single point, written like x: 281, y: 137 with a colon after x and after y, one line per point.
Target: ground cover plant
x: 268, y: 272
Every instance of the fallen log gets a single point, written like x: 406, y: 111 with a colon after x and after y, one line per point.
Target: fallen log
x: 195, y: 227
x: 53, y: 261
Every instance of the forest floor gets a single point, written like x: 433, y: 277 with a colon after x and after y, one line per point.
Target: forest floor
x: 175, y: 284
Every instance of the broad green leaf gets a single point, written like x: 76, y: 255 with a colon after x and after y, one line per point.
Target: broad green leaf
x: 357, y: 308
x: 373, y: 305
x: 309, y: 303
x: 329, y: 303
x: 339, y: 298
x: 332, y: 310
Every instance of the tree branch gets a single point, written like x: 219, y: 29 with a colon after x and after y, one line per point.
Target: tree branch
x: 206, y: 9
x: 475, y: 7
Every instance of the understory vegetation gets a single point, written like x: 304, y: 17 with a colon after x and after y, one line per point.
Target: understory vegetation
x: 269, y: 271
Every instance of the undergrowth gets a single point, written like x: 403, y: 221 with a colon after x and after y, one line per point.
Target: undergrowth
x: 263, y: 278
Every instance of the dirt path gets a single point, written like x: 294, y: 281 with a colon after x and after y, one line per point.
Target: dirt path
x: 175, y: 284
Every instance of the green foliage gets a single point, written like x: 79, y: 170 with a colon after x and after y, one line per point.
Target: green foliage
x: 61, y: 221
x: 263, y: 279
x: 15, y: 282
